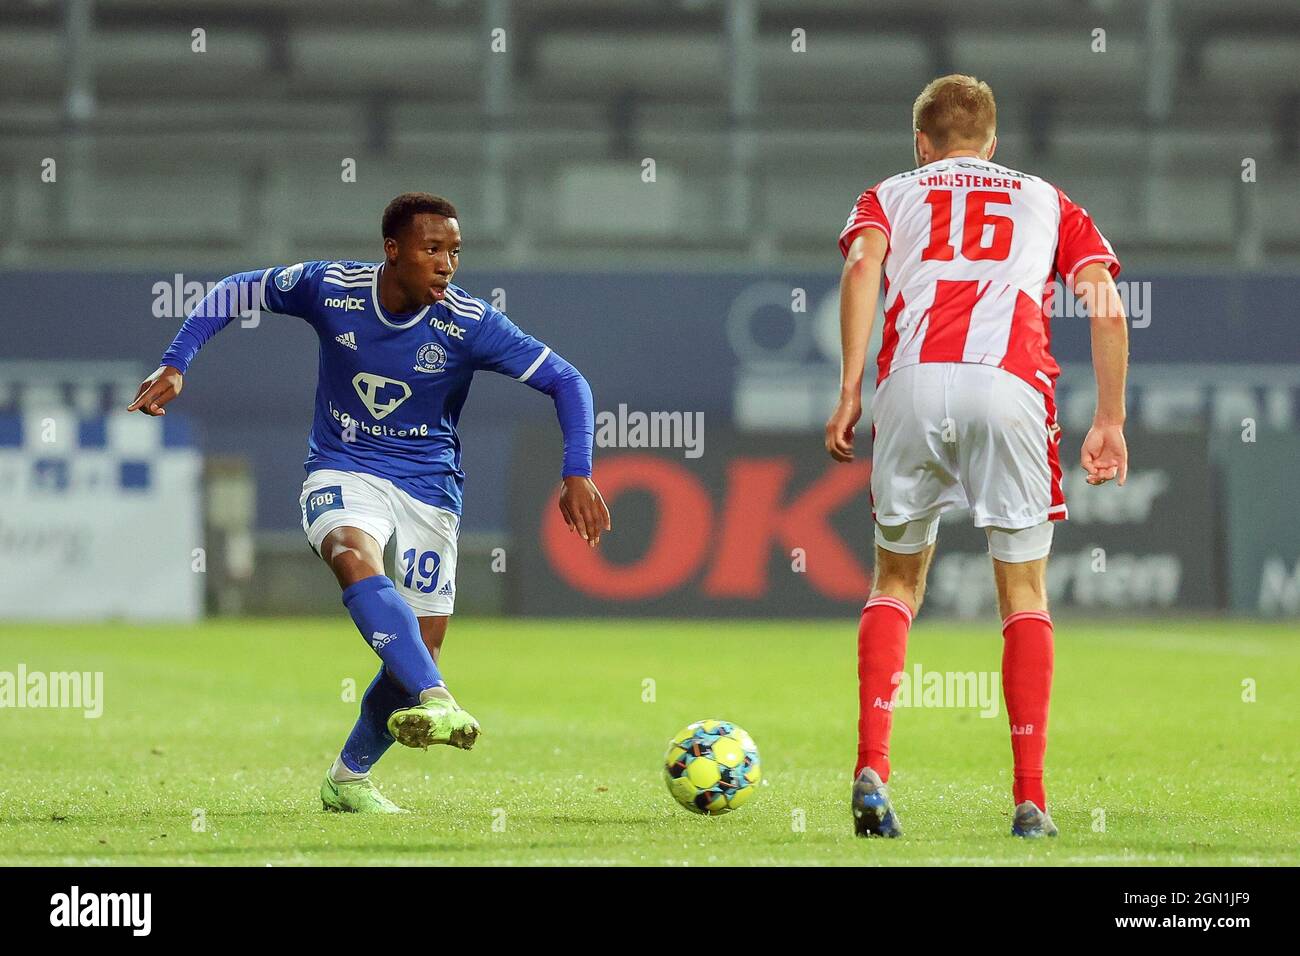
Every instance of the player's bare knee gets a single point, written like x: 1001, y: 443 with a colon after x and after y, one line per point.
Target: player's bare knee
x: 927, y: 557
x: 1020, y: 566
x: 1017, y: 599
x: 339, y: 552
x: 901, y: 576
x: 918, y: 596
x: 1022, y: 586
x: 350, y: 556
x: 340, y: 555
x: 897, y: 588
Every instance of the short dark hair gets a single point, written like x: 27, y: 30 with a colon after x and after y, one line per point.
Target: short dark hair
x: 399, y: 213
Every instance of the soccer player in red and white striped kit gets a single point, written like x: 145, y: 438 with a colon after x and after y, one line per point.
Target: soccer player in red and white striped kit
x: 963, y: 413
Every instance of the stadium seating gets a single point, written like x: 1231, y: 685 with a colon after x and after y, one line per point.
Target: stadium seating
x: 427, y: 63
x: 30, y: 62
x: 214, y: 149
x: 1243, y: 67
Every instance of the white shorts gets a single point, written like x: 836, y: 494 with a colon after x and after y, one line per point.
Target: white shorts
x: 953, y: 435
x: 426, y: 535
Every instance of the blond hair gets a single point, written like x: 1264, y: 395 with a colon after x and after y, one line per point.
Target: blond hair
x: 956, y: 109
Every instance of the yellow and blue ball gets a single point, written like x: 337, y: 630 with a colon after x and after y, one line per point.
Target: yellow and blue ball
x: 712, y: 767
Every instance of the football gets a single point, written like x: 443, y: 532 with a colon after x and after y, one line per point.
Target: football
x: 712, y: 767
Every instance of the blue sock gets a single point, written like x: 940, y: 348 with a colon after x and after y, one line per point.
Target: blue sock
x: 369, y: 738
x: 390, y: 627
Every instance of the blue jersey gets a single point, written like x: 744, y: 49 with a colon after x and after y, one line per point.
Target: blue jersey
x: 391, y: 386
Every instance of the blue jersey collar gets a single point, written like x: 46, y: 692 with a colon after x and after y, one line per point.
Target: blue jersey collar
x: 379, y: 309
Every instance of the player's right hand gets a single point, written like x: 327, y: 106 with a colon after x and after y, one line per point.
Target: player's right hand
x: 1105, y: 454
x: 584, y: 509
x: 839, y: 430
x: 157, y: 390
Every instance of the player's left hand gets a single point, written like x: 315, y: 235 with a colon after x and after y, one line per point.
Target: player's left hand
x: 584, y: 509
x: 1104, y: 455
x: 839, y: 430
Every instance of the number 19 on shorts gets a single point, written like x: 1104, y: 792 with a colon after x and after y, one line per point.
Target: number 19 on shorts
x: 422, y: 571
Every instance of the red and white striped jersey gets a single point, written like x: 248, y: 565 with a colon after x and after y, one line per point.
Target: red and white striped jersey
x: 973, y: 251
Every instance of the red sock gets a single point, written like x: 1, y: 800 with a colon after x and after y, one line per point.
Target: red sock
x: 1027, y: 658
x: 882, y: 646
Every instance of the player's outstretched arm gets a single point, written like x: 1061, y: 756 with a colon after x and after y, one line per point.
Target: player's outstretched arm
x: 859, y: 290
x: 580, y: 501
x: 207, y: 318
x: 1105, y: 454
x: 501, y: 346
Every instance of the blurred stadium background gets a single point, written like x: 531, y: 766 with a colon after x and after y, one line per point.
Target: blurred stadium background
x: 150, y: 145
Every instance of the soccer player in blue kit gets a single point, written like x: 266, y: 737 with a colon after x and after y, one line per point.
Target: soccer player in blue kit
x: 399, y: 345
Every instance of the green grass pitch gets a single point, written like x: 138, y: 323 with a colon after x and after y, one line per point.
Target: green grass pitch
x: 214, y: 740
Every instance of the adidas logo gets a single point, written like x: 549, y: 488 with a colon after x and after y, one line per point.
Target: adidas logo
x: 446, y: 589
x: 347, y: 338
x: 379, y: 640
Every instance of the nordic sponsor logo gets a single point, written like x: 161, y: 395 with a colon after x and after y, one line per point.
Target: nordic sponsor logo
x: 449, y: 329
x: 371, y: 387
x: 348, y: 339
x: 348, y: 303
x: 379, y: 640
x: 74, y: 908
x: 286, y: 279
x: 431, y: 358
